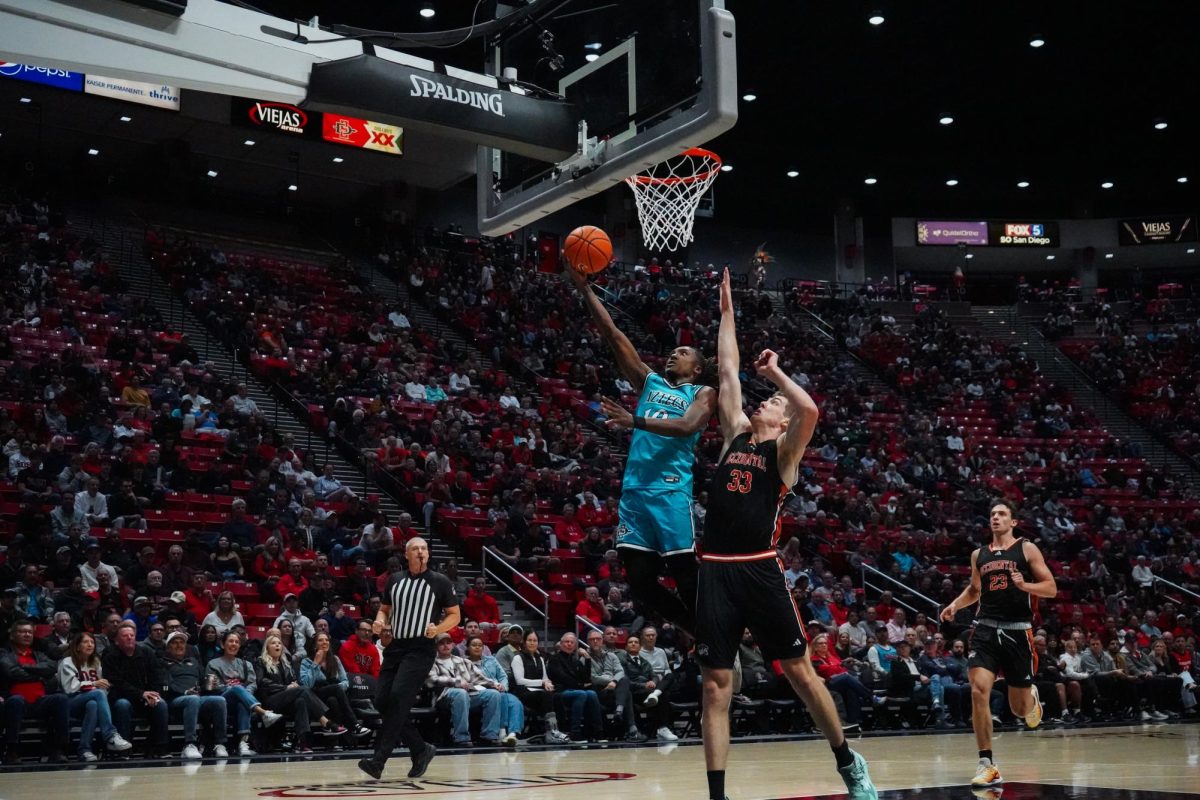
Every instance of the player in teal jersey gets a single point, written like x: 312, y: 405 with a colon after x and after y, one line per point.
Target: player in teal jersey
x: 655, y: 516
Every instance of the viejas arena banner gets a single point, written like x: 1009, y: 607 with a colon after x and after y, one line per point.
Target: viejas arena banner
x: 292, y: 120
x: 1157, y: 230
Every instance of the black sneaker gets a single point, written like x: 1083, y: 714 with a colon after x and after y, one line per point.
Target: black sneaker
x: 421, y: 761
x: 371, y: 768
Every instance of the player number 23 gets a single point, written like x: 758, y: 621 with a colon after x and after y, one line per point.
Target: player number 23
x: 741, y: 481
x: 998, y: 583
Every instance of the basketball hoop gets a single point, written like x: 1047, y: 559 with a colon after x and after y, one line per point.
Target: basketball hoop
x: 668, y: 194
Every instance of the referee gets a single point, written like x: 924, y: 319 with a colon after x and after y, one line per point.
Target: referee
x: 416, y: 608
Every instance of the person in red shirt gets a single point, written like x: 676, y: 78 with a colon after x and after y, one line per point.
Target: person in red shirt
x: 359, y: 654
x: 591, y: 607
x: 481, y: 606
x: 198, y: 598
x: 402, y: 531
x: 27, y: 674
x: 294, y: 581
x: 828, y: 665
x: 568, y: 530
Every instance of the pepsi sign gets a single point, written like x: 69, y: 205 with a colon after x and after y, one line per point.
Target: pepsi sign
x: 50, y: 76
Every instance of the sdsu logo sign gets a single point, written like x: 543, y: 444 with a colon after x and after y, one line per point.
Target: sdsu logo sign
x: 362, y: 133
x: 282, y: 117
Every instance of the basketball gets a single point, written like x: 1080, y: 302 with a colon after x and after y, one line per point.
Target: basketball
x: 588, y: 249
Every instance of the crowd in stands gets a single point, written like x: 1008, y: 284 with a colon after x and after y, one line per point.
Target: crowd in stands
x: 171, y: 560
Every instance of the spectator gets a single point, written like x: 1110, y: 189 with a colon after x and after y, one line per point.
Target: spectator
x: 302, y: 627
x: 197, y: 597
x: 359, y: 654
x: 93, y: 504
x: 470, y: 628
x: 140, y: 617
x: 571, y: 672
x: 840, y: 681
x: 532, y: 685
x: 882, y: 655
x: 58, y: 641
x: 79, y: 675
x: 1081, y: 690
x: 949, y: 685
x: 277, y: 685
x: 225, y: 616
x: 1111, y: 683
x: 237, y: 681
x: 324, y: 674
x: 184, y: 680
x: 481, y: 606
x: 135, y: 678
x: 591, y: 607
x: 64, y: 515
x: 329, y: 489
x: 34, y: 600
x: 459, y: 687
x: 1142, y: 575
x: 611, y: 685
x: 645, y: 689
x: 238, y: 529
x: 31, y: 680
x: 512, y: 710
x: 513, y: 637
x: 341, y: 624
x: 897, y: 627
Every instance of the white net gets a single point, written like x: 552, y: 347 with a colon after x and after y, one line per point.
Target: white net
x: 667, y: 195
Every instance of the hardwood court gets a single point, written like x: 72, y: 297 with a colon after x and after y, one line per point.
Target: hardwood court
x: 1156, y: 762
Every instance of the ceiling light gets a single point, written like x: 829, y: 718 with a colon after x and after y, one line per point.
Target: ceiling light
x: 1191, y: 250
x: 292, y: 187
x: 1036, y: 42
x: 590, y: 57
x: 871, y: 181
x: 726, y: 168
x: 972, y: 255
x: 875, y: 19
x: 946, y: 120
x: 338, y: 159
x: 1160, y: 126
x: 592, y: 46
x: 212, y: 173
x: 249, y: 143
x: 793, y: 173
x: 1022, y: 184
x: 93, y: 151
x: 1051, y: 257
x: 1108, y: 255
x: 427, y: 11
x: 126, y: 119
x: 749, y: 97
x: 26, y: 100
x: 1181, y: 179
x: 1107, y: 185
x: 952, y: 182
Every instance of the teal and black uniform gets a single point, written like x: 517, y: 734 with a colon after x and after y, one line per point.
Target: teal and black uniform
x: 656, y: 495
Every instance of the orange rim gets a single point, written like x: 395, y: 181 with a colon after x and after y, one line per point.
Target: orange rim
x: 698, y: 152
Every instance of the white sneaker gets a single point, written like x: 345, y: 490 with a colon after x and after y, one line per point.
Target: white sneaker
x: 117, y: 744
x: 1158, y: 715
x: 558, y: 737
x: 244, y: 749
x: 89, y: 756
x: 1145, y: 716
x: 270, y: 718
x: 1034, y: 717
x: 652, y: 699
x: 510, y: 740
x: 665, y: 734
x: 191, y: 753
x: 220, y: 752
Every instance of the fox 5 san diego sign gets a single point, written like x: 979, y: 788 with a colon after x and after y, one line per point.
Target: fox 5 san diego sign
x: 1023, y: 234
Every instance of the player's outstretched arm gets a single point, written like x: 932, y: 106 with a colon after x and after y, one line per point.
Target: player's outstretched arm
x: 1044, y: 584
x: 969, y: 596
x: 729, y: 402
x: 632, y: 367
x: 803, y: 421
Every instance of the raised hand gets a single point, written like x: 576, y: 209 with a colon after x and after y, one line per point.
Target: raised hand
x: 766, y: 363
x: 726, y: 294
x: 618, y: 416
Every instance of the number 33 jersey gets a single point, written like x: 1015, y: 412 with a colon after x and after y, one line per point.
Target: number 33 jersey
x: 744, y: 499
x: 1000, y: 598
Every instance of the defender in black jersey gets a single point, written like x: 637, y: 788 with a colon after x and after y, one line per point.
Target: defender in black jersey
x: 741, y: 581
x: 1007, y: 576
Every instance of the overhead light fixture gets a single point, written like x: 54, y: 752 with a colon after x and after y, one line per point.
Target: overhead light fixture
x: 1037, y: 42
x: 212, y: 173
x: 1022, y: 184
x: 1160, y: 125
x: 876, y: 19
x: 1051, y: 257
x: 952, y: 182
x: 726, y: 168
x: 590, y: 57
x: 1109, y: 255
x: 972, y: 255
x: 292, y: 187
x: 749, y: 97
x: 93, y: 151
x: 26, y: 100
x: 1181, y: 179
x: 946, y: 119
x: 249, y: 143
x: 427, y: 10
x: 791, y: 173
x: 1107, y: 185
x: 126, y: 119
x: 592, y: 46
x: 871, y: 181
x: 1191, y: 250
x: 338, y: 159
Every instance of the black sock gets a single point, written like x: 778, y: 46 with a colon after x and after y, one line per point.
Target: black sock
x: 716, y: 784
x: 986, y: 754
x: 843, y: 755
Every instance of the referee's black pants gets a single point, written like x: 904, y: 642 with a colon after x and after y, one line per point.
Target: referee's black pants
x: 406, y: 665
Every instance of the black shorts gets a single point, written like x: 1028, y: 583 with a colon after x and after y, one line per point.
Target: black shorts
x: 733, y: 596
x: 999, y: 650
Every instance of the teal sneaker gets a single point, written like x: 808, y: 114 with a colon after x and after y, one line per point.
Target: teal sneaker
x: 858, y: 780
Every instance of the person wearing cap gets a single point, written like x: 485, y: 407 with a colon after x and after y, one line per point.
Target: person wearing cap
x: 302, y: 627
x: 340, y: 622
x: 141, y: 617
x: 184, y: 693
x: 176, y: 608
x: 137, y: 575
x: 513, y: 637
x: 461, y: 687
x: 63, y: 569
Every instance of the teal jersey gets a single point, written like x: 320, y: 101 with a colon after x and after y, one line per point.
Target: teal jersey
x: 662, y: 462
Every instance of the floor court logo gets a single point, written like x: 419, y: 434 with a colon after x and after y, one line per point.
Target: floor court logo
x: 397, y: 788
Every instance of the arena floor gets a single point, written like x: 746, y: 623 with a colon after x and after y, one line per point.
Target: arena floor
x: 1131, y: 763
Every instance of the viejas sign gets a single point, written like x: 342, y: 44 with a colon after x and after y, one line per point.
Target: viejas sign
x: 1157, y: 230
x: 278, y: 117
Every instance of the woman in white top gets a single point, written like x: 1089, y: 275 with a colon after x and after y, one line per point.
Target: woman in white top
x: 532, y: 686
x: 79, y: 676
x: 1071, y: 665
x: 225, y: 615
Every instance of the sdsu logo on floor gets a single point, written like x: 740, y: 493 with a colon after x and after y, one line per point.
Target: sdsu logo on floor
x: 396, y: 788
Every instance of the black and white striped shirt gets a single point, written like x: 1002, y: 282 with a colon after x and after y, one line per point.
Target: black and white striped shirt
x: 418, y: 600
